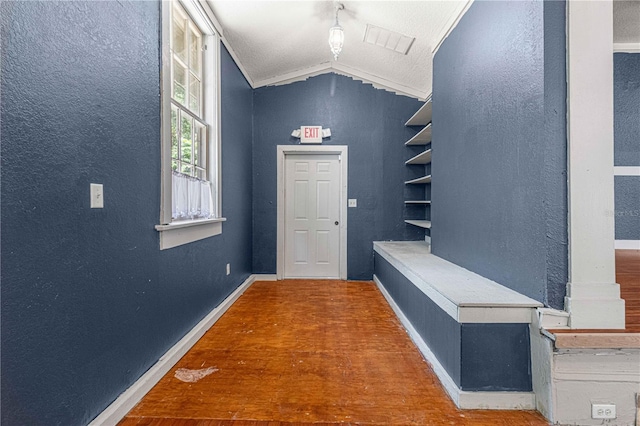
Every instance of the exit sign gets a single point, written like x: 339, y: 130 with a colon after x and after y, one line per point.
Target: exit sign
x: 311, y: 134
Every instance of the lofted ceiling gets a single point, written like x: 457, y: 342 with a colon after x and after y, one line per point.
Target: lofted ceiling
x: 281, y: 41
x: 276, y: 42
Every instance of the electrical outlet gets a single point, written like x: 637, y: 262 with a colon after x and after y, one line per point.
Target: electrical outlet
x: 353, y: 202
x: 228, y: 268
x: 603, y: 411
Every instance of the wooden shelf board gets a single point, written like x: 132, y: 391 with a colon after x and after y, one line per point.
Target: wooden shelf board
x: 422, y: 116
x: 423, y: 179
x: 420, y: 223
x: 417, y: 202
x: 423, y: 137
x: 422, y: 158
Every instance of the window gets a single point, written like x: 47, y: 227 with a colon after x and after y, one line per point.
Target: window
x: 190, y: 125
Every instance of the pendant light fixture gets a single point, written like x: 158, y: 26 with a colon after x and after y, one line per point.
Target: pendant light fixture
x: 336, y: 34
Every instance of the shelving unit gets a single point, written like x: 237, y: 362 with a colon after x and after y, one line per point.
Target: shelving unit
x: 423, y: 137
x: 422, y: 117
x: 417, y: 202
x: 422, y: 158
x: 420, y: 180
x: 426, y: 224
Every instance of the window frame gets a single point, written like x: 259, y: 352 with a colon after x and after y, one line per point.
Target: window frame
x: 173, y: 232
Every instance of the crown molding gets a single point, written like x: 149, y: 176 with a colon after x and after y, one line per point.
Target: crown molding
x: 237, y: 61
x: 378, y: 82
x: 337, y: 68
x: 626, y: 47
x: 293, y: 76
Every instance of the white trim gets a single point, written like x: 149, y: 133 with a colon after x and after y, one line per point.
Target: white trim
x: 626, y: 171
x: 462, y: 399
x: 443, y: 302
x: 200, y: 15
x: 237, y: 61
x: 451, y: 24
x: 627, y: 244
x: 549, y: 318
x: 188, y: 223
x: 483, y: 300
x: 177, y: 234
x: 379, y: 82
x: 338, y: 68
x: 165, y: 114
x: 130, y: 397
x: 593, y: 298
x: 282, y: 151
x: 494, y: 315
x: 216, y: 155
x: 626, y: 47
x: 265, y: 277
x: 212, y: 17
x: 293, y: 76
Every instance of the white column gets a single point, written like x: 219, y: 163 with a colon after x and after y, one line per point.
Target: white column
x: 593, y: 297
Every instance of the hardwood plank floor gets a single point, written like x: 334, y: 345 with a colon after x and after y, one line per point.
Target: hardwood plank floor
x: 628, y: 276
x: 302, y: 352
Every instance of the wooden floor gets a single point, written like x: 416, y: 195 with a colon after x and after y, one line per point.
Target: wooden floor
x: 628, y: 276
x: 309, y: 352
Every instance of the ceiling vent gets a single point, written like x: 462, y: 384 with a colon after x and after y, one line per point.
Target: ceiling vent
x: 388, y: 39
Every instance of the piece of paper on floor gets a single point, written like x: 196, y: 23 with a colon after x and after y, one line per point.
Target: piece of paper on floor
x: 192, y: 376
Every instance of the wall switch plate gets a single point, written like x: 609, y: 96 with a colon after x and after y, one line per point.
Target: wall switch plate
x: 228, y: 268
x: 353, y: 202
x: 603, y: 411
x: 97, y: 196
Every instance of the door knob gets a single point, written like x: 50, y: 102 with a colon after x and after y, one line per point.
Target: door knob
x: 337, y: 223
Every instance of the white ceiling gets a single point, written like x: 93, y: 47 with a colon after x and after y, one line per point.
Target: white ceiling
x: 276, y: 42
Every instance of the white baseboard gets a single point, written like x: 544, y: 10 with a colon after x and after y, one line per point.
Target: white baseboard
x: 627, y: 245
x: 265, y: 277
x: 130, y: 397
x: 462, y: 399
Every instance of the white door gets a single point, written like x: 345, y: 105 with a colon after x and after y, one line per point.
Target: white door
x: 312, y: 216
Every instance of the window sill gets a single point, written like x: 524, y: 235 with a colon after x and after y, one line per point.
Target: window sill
x: 184, y: 232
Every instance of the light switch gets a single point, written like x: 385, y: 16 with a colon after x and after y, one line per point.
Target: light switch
x: 353, y: 202
x: 97, y: 196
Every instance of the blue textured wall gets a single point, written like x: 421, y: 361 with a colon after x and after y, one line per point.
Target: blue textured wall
x: 626, y: 104
x: 89, y: 302
x: 627, y: 202
x: 499, y: 147
x: 371, y: 123
x: 626, y: 98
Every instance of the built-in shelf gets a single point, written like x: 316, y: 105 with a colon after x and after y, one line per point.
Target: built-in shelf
x: 426, y: 224
x: 422, y: 158
x: 423, y: 137
x: 422, y: 116
x: 423, y: 179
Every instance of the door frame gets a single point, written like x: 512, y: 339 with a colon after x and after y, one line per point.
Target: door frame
x: 342, y: 152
